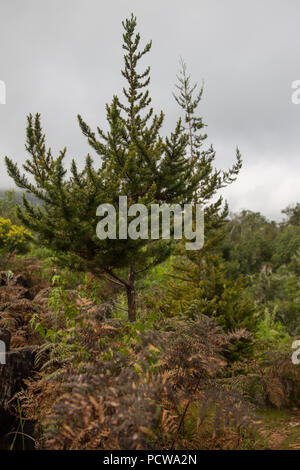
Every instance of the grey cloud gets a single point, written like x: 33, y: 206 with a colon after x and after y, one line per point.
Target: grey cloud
x: 62, y: 57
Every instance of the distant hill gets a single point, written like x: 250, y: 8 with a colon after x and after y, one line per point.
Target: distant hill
x: 18, y: 196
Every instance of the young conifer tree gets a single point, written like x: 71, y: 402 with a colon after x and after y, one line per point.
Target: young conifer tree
x: 202, y: 159
x: 199, y: 282
x: 133, y: 160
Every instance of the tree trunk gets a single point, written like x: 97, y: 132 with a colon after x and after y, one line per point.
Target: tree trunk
x: 131, y: 295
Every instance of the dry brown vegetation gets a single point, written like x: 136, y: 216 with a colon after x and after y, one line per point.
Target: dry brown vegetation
x: 103, y: 383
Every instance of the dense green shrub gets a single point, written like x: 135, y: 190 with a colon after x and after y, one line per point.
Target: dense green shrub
x: 13, y: 238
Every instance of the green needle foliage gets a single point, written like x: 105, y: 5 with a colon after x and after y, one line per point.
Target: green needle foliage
x: 202, y: 159
x: 133, y: 160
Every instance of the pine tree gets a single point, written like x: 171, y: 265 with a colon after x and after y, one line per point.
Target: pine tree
x: 210, y: 179
x: 199, y: 279
x: 133, y: 160
x: 202, y: 284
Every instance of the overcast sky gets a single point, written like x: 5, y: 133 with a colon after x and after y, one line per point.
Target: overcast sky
x: 63, y: 57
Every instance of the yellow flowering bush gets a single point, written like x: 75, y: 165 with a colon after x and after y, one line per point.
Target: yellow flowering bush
x: 13, y: 238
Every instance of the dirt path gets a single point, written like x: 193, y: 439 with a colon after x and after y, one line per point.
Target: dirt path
x: 281, y: 429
